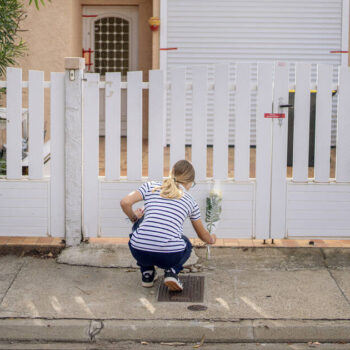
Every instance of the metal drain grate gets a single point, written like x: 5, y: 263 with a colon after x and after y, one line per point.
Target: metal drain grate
x: 193, y: 290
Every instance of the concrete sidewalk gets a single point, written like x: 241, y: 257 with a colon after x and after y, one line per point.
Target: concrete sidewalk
x: 252, y: 295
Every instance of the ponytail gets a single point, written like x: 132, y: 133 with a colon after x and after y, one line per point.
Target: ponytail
x: 181, y: 173
x: 169, y: 189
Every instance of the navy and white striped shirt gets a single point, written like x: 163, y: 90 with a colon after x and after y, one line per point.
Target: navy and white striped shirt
x: 162, y: 226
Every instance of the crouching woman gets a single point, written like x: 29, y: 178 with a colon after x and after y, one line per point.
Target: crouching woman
x: 157, y: 238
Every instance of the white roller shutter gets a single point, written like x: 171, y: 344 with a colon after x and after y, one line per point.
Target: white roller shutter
x: 209, y: 32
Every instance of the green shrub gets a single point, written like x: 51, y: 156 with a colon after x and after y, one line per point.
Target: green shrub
x: 11, y: 45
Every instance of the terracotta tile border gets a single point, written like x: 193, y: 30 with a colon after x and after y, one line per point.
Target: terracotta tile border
x: 221, y: 242
x: 3, y: 240
x: 30, y: 241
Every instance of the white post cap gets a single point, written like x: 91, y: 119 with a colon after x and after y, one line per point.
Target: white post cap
x: 74, y: 63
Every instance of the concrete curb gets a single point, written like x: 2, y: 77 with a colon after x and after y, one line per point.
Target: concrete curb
x: 240, y: 331
x: 44, y: 330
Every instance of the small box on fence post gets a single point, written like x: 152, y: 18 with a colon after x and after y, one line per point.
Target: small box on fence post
x: 74, y: 67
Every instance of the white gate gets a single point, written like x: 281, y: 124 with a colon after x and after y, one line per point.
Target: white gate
x: 267, y: 206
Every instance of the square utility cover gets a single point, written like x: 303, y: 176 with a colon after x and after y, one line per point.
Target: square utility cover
x: 193, y: 290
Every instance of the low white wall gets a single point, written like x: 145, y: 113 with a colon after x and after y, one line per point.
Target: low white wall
x: 237, y: 208
x: 312, y: 210
x: 318, y: 210
x: 24, y: 208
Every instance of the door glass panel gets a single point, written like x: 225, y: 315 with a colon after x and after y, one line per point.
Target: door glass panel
x: 111, y: 45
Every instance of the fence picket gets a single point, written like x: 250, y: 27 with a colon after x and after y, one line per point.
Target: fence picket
x: 134, y: 126
x: 342, y: 172
x: 112, y: 132
x: 91, y: 156
x: 279, y: 152
x: 57, y: 188
x: 221, y: 103
x: 36, y: 124
x: 199, y: 120
x: 242, y: 123
x: 323, y: 123
x: 14, y: 123
x: 177, y: 138
x: 301, y: 123
x: 263, y: 151
x: 155, y: 125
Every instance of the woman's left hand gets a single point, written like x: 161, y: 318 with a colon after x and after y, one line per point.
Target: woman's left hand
x: 139, y: 213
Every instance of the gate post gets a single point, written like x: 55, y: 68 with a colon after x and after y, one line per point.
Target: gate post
x: 279, y: 153
x: 73, y: 149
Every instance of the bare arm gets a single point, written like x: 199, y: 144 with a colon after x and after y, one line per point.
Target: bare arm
x: 202, y: 232
x: 128, y: 201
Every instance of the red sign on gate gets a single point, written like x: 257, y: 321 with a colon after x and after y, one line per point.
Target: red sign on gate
x: 274, y: 115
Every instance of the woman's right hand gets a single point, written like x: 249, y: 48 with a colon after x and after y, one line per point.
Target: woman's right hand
x: 212, y: 238
x: 203, y: 233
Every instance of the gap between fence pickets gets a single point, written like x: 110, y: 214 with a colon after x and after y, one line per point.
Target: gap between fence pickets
x: 208, y: 180
x: 188, y: 86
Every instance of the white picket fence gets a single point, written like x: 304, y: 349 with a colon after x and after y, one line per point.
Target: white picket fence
x: 33, y: 205
x: 268, y: 206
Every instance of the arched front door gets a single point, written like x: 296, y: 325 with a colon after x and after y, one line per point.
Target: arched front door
x: 110, y: 44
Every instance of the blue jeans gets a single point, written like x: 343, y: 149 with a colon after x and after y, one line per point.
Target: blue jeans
x: 166, y: 261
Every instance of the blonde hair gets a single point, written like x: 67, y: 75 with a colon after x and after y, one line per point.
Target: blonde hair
x: 181, y: 173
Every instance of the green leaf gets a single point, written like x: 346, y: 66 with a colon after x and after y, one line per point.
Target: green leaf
x: 37, y: 3
x: 213, y: 210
